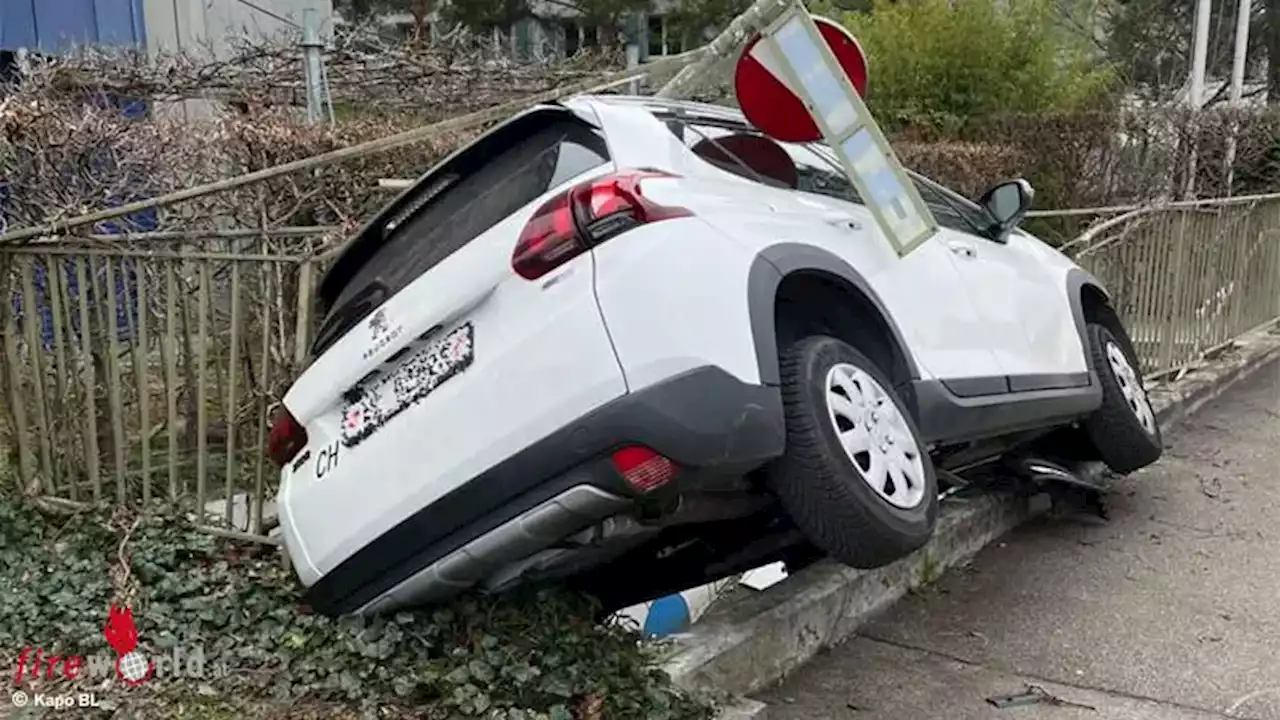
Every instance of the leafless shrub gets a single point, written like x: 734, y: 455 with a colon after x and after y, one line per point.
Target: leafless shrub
x: 203, y: 306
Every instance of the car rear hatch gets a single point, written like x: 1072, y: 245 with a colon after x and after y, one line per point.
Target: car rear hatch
x: 436, y: 358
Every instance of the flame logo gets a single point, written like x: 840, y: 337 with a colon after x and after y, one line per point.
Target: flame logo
x: 122, y: 635
x: 120, y: 631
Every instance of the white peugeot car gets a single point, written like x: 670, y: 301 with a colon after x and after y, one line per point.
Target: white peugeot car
x: 635, y: 345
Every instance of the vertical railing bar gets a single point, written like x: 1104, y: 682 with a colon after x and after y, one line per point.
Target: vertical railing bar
x: 54, y: 282
x: 1271, y: 280
x: 233, y: 371
x: 113, y: 383
x: 171, y: 371
x: 202, y: 414
x: 303, y: 326
x: 1191, y: 277
x: 1146, y: 320
x: 84, y: 275
x: 1222, y: 258
x: 264, y: 401
x: 1254, y: 251
x: 1264, y: 298
x: 1234, y: 285
x: 1204, y: 279
x: 1193, y: 290
x: 1273, y: 286
x: 17, y: 399
x: 1173, y: 285
x: 35, y: 347
x: 142, y: 363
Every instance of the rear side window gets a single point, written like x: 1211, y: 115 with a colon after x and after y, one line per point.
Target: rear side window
x: 475, y: 191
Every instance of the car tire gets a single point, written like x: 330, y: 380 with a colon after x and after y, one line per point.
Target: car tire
x: 1125, y: 430
x: 873, y: 503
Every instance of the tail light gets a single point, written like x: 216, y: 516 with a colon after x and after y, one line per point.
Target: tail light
x: 286, y: 439
x: 572, y: 222
x: 644, y: 469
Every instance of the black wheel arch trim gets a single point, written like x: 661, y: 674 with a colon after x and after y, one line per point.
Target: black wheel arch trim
x: 767, y: 272
x: 1077, y: 281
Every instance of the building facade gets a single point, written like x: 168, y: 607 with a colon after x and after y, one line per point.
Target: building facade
x: 195, y: 26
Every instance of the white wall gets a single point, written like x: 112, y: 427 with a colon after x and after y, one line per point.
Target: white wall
x: 203, y: 26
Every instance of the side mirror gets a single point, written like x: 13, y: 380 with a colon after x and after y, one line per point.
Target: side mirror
x: 1007, y: 203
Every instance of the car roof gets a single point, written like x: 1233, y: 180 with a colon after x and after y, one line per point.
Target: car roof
x: 696, y: 109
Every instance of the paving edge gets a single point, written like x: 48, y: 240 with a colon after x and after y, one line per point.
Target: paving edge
x: 754, y: 640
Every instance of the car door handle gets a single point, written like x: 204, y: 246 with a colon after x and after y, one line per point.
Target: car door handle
x: 842, y: 221
x: 964, y: 250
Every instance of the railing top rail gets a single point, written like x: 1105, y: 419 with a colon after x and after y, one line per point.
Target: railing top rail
x: 1130, y: 212
x: 1168, y: 205
x: 292, y: 231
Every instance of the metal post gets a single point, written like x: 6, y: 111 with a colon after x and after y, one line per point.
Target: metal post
x: 313, y: 69
x: 633, y: 60
x: 1243, y: 14
x: 1200, y: 49
x: 634, y: 22
x: 1195, y: 92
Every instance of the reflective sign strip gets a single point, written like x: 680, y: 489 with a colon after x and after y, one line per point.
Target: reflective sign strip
x: 793, y: 49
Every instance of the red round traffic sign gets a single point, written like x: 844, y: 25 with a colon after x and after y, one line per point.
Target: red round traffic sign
x: 774, y: 109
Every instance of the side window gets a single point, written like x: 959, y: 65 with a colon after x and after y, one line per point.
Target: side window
x: 959, y: 214
x: 822, y: 175
x: 745, y: 152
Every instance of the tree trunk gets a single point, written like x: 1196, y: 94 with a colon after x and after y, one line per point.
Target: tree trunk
x: 420, y: 9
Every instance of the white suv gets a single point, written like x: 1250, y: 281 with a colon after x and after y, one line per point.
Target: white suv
x: 635, y: 345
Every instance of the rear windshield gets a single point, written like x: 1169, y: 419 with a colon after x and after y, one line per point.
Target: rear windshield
x: 475, y: 191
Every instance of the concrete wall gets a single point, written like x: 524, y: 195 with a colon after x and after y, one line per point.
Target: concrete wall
x: 205, y: 26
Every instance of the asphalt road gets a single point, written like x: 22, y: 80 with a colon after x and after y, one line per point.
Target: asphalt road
x: 1170, y: 610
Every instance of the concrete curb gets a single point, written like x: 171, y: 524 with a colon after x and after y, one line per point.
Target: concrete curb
x: 751, y: 641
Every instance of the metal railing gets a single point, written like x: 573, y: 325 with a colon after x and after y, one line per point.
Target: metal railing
x: 150, y: 370
x: 139, y: 374
x: 1188, y: 277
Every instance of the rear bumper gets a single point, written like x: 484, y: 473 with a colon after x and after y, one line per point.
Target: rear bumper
x: 702, y: 419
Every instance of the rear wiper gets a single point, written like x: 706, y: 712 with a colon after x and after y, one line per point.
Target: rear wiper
x: 349, y: 313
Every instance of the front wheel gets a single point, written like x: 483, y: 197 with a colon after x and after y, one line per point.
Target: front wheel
x: 854, y: 477
x: 1124, y: 430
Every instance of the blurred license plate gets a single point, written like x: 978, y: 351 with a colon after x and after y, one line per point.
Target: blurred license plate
x: 381, y: 399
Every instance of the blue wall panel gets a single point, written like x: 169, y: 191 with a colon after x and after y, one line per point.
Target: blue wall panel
x: 52, y: 26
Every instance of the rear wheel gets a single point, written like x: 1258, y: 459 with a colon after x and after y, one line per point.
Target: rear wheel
x: 854, y: 477
x: 1124, y: 430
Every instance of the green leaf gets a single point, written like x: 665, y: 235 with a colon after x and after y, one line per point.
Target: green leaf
x: 458, y: 676
x: 480, y: 671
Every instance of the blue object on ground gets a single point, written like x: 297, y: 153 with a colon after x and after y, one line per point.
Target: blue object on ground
x: 666, y: 616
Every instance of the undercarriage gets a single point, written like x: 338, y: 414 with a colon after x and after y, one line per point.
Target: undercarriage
x: 733, y: 525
